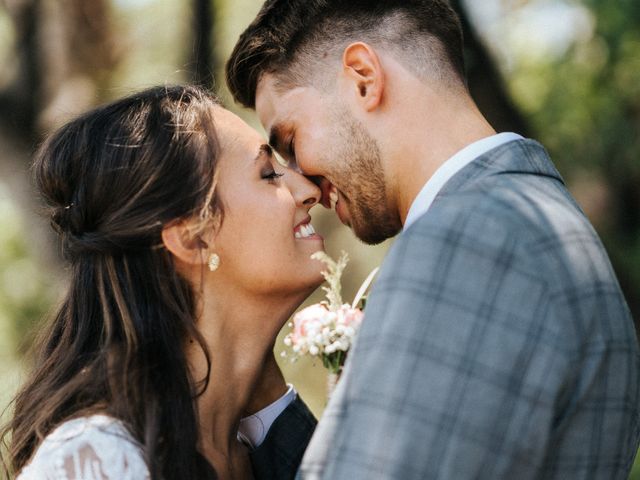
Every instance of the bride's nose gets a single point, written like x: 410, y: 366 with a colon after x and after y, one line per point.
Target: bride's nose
x: 304, y: 191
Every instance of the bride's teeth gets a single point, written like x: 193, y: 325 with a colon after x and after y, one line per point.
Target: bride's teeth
x: 305, y: 231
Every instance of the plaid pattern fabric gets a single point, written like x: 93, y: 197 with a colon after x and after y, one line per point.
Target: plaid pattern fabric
x: 496, y: 344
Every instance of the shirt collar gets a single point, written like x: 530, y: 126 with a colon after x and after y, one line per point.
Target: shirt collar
x: 448, y: 169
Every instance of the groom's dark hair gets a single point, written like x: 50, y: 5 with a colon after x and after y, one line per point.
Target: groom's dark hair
x: 294, y: 39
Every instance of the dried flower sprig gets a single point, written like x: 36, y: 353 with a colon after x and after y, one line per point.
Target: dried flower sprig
x: 326, y: 330
x: 333, y: 276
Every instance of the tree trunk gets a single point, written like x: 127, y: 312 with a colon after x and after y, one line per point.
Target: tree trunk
x: 485, y: 81
x: 20, y: 101
x: 203, y: 63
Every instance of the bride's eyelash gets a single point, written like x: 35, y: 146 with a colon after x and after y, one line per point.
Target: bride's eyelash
x: 271, y: 175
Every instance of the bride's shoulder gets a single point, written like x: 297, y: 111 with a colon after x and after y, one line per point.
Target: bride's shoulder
x: 96, y: 447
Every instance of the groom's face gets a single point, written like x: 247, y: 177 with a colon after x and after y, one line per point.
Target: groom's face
x: 320, y: 138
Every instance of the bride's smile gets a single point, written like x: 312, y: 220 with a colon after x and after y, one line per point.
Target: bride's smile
x: 305, y: 231
x: 266, y: 225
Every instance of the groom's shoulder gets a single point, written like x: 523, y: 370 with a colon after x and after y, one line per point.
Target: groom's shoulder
x: 521, y: 241
x: 532, y: 217
x: 522, y: 204
x: 488, y: 211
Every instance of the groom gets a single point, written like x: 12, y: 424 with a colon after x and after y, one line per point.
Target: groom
x: 497, y: 342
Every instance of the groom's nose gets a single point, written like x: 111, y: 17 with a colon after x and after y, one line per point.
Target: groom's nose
x: 325, y: 188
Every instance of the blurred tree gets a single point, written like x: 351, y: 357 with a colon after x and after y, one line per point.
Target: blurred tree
x: 486, y: 84
x: 18, y: 100
x: 586, y: 110
x: 204, y: 65
x: 611, y: 134
x: 64, y: 52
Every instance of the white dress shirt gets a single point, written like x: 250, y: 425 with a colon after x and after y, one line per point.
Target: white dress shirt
x: 448, y: 169
x: 253, y: 429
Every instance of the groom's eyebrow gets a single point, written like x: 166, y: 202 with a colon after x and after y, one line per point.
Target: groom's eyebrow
x: 264, y: 149
x: 274, y: 137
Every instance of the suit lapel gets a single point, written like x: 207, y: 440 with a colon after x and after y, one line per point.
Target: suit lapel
x: 517, y: 157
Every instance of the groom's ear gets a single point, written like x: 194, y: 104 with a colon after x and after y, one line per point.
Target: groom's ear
x: 185, y: 242
x: 362, y: 68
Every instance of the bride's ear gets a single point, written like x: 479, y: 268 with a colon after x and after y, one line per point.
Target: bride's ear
x: 186, y: 243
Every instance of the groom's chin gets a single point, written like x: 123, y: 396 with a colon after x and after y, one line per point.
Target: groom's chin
x: 374, y: 234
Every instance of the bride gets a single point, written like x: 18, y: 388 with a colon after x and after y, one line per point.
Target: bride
x: 188, y: 247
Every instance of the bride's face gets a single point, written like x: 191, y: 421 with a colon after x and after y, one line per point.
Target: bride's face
x: 265, y: 241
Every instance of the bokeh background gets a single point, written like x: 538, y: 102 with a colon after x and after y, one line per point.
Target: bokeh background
x: 566, y: 72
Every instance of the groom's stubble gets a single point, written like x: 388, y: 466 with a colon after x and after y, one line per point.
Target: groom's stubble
x: 358, y: 170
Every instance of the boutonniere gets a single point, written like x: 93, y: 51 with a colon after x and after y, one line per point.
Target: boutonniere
x: 326, y: 330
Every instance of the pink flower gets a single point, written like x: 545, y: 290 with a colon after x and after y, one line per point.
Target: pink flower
x: 350, y: 317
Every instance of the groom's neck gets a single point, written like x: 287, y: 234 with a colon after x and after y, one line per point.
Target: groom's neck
x: 430, y: 127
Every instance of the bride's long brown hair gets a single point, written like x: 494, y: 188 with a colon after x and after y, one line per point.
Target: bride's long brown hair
x: 111, y: 180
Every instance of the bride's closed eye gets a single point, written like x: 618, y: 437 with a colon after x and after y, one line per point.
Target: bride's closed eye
x: 270, y: 174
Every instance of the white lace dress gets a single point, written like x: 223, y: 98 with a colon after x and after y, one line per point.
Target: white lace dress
x: 89, y: 448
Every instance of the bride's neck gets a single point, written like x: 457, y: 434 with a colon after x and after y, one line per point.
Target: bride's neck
x: 239, y: 331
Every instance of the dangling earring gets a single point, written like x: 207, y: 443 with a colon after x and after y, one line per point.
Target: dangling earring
x: 214, y: 262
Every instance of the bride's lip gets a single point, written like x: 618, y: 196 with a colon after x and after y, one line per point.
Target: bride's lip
x: 305, y: 231
x: 304, y: 221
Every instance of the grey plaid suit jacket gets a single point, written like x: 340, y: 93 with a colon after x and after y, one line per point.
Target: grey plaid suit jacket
x: 496, y: 343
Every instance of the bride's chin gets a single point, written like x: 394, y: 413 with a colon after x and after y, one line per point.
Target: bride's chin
x: 313, y: 283
x: 308, y: 286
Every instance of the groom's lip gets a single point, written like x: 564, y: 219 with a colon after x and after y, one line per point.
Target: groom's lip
x: 325, y: 188
x: 343, y: 212
x: 338, y: 203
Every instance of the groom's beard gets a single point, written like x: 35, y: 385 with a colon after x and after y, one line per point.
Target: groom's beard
x: 358, y: 167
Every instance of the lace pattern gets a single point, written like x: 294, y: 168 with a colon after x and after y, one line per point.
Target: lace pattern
x: 89, y: 448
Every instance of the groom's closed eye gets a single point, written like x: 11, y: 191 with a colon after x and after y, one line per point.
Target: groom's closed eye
x: 317, y: 180
x: 274, y: 138
x: 287, y: 157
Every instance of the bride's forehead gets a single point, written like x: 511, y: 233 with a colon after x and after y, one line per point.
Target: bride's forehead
x: 231, y: 129
x: 225, y: 119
